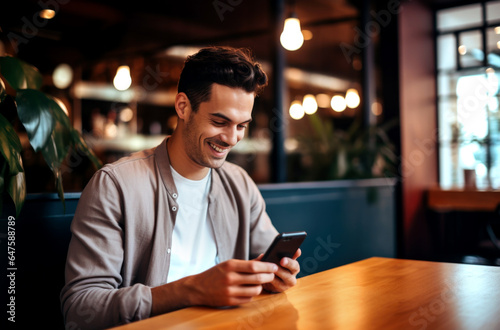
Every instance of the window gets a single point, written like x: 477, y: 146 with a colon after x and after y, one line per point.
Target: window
x: 468, y: 75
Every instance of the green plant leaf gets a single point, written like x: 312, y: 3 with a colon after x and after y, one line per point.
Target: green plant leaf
x: 10, y: 147
x: 66, y: 136
x: 59, y: 187
x: 58, y: 113
x: 3, y: 92
x: 54, y: 153
x: 19, y: 74
x: 354, y: 129
x: 35, y: 111
x: 48, y: 128
x: 80, y: 143
x: 47, y: 125
x: 3, y: 174
x: 57, y: 147
x: 16, y: 187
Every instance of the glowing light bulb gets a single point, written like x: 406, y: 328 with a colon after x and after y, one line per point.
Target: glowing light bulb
x: 291, y: 38
x: 352, y: 98
x: 122, y: 80
x: 126, y: 115
x: 296, y: 110
x: 338, y: 103
x: 47, y: 13
x: 307, y: 34
x: 462, y: 49
x: 377, y: 108
x: 62, y: 76
x: 309, y: 104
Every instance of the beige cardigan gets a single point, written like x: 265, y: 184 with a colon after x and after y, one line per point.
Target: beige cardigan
x: 122, y: 235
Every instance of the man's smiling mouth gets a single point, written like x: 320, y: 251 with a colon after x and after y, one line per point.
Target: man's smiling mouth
x: 217, y: 148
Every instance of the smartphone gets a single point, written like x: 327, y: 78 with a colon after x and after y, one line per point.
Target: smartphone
x: 284, y: 245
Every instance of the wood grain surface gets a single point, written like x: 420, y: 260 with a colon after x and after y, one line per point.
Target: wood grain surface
x: 376, y: 293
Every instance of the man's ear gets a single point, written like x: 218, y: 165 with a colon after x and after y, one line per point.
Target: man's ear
x: 182, y: 106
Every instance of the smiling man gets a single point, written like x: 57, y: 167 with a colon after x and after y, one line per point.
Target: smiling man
x: 205, y: 136
x: 176, y: 225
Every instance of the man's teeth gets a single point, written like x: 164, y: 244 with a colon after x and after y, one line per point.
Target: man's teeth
x: 217, y: 148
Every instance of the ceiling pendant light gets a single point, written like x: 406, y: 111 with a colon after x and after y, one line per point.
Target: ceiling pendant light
x: 122, y: 80
x: 338, y: 103
x: 291, y: 38
x: 296, y: 110
x: 352, y: 98
x: 309, y: 104
x: 62, y: 76
x: 47, y: 13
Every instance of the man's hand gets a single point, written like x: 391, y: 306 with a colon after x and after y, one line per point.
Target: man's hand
x: 229, y: 283
x: 286, y: 276
x: 232, y: 282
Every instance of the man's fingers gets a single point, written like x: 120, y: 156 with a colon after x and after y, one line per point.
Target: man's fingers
x: 291, y: 265
x: 250, y: 266
x: 244, y: 291
x: 259, y: 257
x: 248, y: 278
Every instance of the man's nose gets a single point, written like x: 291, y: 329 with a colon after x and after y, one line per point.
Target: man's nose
x: 231, y: 136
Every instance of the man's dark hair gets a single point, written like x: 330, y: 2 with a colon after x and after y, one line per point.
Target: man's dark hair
x: 232, y: 67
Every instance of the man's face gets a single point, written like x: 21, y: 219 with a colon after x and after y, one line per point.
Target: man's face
x: 220, y: 123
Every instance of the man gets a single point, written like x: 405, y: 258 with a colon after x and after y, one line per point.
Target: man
x: 175, y: 226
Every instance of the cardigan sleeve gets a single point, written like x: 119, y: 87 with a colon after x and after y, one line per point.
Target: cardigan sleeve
x: 92, y: 297
x: 262, y: 230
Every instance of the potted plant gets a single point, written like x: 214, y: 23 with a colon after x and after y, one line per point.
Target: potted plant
x: 46, y: 125
x: 356, y: 153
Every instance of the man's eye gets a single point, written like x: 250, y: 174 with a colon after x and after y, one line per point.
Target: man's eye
x: 242, y: 126
x: 218, y: 123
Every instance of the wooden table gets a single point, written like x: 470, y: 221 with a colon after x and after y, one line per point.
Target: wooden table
x: 376, y: 293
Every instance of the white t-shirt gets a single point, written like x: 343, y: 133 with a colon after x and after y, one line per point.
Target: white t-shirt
x: 193, y: 241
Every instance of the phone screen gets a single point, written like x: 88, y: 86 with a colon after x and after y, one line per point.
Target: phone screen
x: 284, y: 245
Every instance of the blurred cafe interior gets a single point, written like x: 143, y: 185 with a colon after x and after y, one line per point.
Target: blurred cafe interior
x: 380, y: 126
